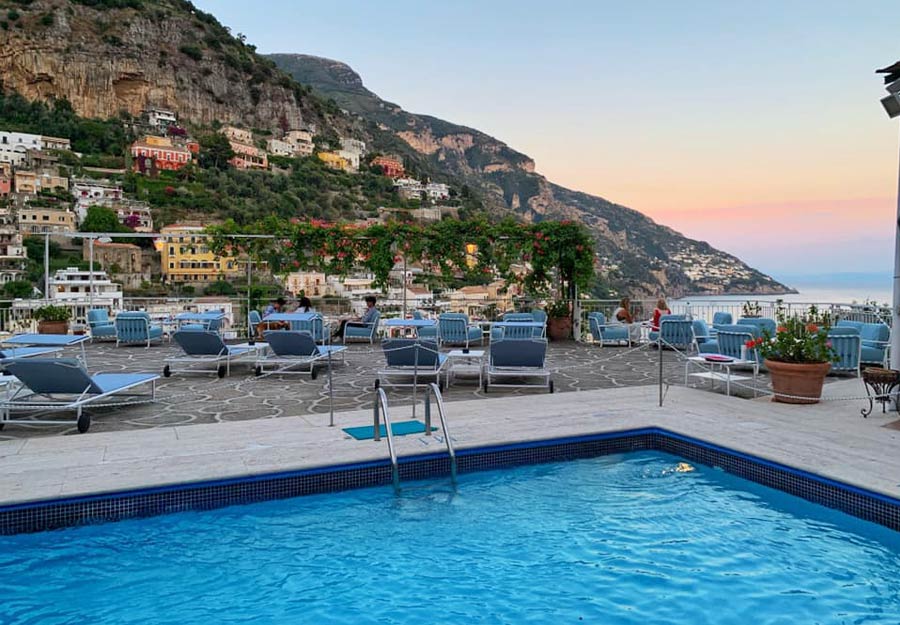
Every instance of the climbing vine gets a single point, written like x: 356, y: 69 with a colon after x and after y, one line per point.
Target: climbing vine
x: 540, y: 255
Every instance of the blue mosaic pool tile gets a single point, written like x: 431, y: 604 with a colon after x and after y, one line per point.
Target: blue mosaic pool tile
x: 56, y: 514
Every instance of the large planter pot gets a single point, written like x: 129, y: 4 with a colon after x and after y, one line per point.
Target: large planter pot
x: 53, y: 327
x: 796, y: 383
x: 559, y: 328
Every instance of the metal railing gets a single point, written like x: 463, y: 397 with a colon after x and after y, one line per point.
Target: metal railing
x: 434, y: 389
x: 381, y: 408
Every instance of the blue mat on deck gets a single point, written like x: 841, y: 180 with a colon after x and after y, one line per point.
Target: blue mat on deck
x: 401, y: 428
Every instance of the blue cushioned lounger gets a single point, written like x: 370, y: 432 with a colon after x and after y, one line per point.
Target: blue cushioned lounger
x: 416, y: 359
x: 292, y: 349
x: 520, y: 361
x: 201, y: 349
x: 63, y: 384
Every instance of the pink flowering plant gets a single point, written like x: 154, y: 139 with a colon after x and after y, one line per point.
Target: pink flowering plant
x: 799, y: 338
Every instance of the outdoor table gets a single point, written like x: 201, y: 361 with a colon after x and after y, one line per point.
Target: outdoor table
x: 466, y: 361
x: 204, y: 318
x: 291, y: 316
x: 50, y: 340
x: 716, y: 376
x: 415, y: 324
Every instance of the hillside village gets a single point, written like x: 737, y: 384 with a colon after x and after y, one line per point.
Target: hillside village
x: 41, y: 197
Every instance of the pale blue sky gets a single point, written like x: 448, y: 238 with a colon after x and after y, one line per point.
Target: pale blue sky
x: 755, y: 126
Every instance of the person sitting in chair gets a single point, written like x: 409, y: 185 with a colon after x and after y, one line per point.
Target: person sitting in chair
x: 367, y: 317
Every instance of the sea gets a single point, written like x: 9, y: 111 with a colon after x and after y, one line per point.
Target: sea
x: 839, y: 288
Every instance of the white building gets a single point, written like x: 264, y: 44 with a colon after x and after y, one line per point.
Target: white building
x: 161, y: 119
x: 354, y: 287
x: 238, y: 135
x: 279, y: 147
x: 55, y: 143
x: 352, y: 150
x: 309, y: 283
x: 15, y: 145
x: 74, y: 286
x: 301, y: 142
x: 437, y: 191
x: 88, y: 192
x: 409, y: 188
x: 135, y: 215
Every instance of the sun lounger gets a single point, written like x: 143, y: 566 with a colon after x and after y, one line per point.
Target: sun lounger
x: 203, y: 348
x: 63, y: 384
x: 417, y: 360
x: 15, y: 353
x: 519, y: 361
x: 294, y: 349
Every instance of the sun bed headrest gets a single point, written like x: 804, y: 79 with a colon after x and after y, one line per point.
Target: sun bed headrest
x: 53, y: 375
x: 411, y: 352
x: 202, y: 343
x: 291, y: 343
x: 518, y: 353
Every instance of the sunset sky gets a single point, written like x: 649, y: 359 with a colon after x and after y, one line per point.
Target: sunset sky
x: 754, y: 126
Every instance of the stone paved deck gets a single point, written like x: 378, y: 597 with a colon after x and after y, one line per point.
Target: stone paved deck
x: 829, y: 439
x: 197, y: 399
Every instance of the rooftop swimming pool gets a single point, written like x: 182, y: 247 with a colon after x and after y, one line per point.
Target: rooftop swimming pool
x: 637, y: 538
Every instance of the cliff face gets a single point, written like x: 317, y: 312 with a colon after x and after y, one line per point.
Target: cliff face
x: 637, y: 254
x: 164, y: 54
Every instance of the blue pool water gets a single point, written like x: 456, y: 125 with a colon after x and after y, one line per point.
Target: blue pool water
x: 618, y: 539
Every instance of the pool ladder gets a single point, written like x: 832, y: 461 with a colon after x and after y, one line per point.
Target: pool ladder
x: 381, y: 410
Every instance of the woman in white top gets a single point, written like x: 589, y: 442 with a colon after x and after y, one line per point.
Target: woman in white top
x: 623, y: 315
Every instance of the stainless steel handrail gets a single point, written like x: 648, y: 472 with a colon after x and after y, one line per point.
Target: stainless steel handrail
x: 381, y: 403
x: 434, y: 389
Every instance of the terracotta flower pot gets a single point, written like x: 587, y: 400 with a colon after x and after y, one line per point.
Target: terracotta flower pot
x: 797, y: 383
x: 53, y: 327
x: 559, y: 328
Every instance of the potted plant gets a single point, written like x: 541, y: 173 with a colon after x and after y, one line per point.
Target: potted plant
x: 798, y: 356
x: 751, y: 310
x: 559, y: 320
x: 52, y: 319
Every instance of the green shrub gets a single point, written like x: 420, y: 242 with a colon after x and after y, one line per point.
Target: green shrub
x: 192, y: 51
x: 52, y: 313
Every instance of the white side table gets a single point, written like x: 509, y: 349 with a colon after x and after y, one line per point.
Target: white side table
x: 460, y: 361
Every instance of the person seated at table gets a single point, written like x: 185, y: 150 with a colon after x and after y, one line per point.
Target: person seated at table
x: 367, y: 317
x: 622, y: 314
x: 661, y: 309
x: 275, y: 306
x: 305, y: 305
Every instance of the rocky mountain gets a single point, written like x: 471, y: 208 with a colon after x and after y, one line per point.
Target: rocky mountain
x: 109, y: 56
x: 637, y: 254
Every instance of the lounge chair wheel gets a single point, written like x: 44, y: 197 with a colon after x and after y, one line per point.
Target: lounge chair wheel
x: 84, y: 423
x: 377, y: 383
x: 258, y: 371
x: 551, y: 386
x: 221, y: 371
x: 312, y: 372
x: 167, y: 372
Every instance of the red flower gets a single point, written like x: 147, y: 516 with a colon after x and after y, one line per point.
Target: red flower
x: 782, y: 329
x: 750, y: 344
x: 812, y: 328
x: 760, y: 341
x: 296, y: 263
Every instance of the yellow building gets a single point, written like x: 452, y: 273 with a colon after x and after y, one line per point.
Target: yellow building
x: 186, y: 257
x: 335, y: 161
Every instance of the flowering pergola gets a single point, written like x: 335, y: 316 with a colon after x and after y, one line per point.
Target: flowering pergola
x: 559, y: 253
